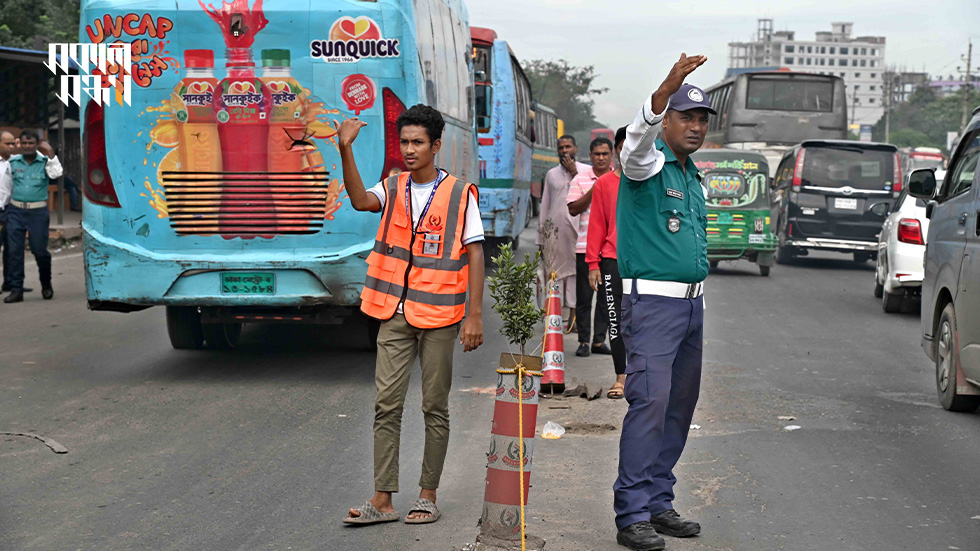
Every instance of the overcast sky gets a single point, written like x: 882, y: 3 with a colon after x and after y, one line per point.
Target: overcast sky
x: 633, y: 43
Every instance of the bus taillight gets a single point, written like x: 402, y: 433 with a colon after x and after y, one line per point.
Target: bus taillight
x: 393, y: 107
x: 97, y: 183
x: 798, y: 171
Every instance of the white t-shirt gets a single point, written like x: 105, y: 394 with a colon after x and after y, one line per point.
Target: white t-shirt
x: 472, y: 227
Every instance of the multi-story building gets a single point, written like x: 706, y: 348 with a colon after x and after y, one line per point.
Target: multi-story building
x: 859, y: 60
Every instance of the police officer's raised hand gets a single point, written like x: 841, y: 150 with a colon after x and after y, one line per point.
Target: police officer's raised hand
x: 347, y: 132
x: 44, y: 148
x: 675, y: 79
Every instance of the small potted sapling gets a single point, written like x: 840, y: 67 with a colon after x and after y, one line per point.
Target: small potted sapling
x: 512, y: 289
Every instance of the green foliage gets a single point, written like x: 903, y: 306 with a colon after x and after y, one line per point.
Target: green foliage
x: 567, y: 89
x: 512, y: 289
x: 926, y: 118
x: 909, y: 137
x: 33, y: 24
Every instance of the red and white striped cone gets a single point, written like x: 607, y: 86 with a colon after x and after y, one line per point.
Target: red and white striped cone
x: 501, y: 518
x: 553, y: 380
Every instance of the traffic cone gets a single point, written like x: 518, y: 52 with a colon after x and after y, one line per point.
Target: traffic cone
x: 553, y: 380
x: 516, y: 405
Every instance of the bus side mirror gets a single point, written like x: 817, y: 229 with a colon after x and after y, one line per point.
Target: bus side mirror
x: 480, y: 77
x: 922, y: 184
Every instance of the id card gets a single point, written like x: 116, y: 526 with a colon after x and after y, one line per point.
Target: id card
x: 430, y: 244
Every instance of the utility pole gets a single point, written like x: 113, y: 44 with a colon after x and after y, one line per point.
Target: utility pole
x: 889, y: 81
x: 967, y: 85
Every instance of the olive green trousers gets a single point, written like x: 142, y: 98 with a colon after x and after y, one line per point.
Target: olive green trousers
x: 399, y: 344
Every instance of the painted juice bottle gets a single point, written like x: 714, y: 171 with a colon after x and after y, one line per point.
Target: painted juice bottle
x: 243, y: 107
x: 287, y: 124
x: 197, y: 127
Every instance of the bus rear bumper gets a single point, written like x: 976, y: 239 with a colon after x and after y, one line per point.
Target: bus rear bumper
x: 126, y: 277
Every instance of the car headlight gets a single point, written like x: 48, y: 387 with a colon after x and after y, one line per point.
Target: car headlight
x: 760, y: 225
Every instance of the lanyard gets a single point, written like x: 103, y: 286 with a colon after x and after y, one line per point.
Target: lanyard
x: 408, y: 201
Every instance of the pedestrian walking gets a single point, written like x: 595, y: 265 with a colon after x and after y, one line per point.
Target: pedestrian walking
x: 600, y: 255
x: 28, y: 214
x: 579, y: 205
x: 427, y: 254
x: 555, y: 209
x: 662, y: 250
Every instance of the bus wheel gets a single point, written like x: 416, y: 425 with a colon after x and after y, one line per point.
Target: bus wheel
x: 222, y: 336
x: 184, y: 328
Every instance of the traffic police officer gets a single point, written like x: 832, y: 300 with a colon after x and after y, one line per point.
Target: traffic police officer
x: 661, y: 221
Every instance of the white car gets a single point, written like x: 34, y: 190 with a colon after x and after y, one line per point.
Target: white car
x: 901, y: 250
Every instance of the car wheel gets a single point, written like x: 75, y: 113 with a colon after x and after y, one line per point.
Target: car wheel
x: 879, y: 276
x: 222, y: 336
x: 947, y: 362
x: 784, y: 253
x: 713, y: 264
x: 891, y: 302
x: 764, y: 270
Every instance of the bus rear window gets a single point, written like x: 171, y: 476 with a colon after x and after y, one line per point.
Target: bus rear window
x: 790, y: 94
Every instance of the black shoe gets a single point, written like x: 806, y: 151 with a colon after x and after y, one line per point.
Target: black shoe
x: 14, y: 296
x: 47, y: 293
x: 640, y: 536
x: 672, y: 524
x: 583, y: 350
x: 601, y: 348
x: 6, y: 289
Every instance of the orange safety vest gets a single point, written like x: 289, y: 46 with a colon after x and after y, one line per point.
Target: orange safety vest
x: 428, y: 269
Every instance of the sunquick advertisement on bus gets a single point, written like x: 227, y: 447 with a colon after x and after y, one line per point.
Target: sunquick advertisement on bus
x: 229, y: 144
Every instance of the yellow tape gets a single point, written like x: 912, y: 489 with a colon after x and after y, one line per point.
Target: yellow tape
x: 521, y: 372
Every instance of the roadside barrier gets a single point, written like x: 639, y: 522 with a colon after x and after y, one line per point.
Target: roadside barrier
x: 509, y: 459
x: 553, y: 373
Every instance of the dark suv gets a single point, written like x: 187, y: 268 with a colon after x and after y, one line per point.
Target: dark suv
x: 834, y: 195
x: 951, y: 286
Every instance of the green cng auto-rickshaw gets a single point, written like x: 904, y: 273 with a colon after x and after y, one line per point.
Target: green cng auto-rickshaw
x: 736, y: 186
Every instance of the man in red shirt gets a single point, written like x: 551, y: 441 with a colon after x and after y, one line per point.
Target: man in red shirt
x: 600, y: 255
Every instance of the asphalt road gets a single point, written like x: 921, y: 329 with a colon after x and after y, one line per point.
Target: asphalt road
x: 266, y: 447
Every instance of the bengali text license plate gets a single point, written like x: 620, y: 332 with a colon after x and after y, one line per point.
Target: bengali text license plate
x: 756, y: 239
x: 845, y: 203
x: 248, y: 283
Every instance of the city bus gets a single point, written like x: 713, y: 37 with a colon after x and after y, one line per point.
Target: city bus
x: 218, y: 193
x: 607, y: 133
x: 506, y: 136
x: 547, y: 128
x: 770, y: 111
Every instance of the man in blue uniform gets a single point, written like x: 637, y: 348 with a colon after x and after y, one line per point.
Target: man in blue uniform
x: 662, y: 248
x: 27, y: 215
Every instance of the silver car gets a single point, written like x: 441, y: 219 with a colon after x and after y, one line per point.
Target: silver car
x: 951, y: 286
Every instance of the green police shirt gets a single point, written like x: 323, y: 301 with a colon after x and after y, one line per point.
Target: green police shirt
x: 30, y: 179
x: 661, y: 218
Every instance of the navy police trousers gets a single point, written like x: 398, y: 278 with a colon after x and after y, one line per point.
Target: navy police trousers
x: 663, y: 339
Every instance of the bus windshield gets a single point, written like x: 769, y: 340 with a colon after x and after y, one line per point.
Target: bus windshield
x: 777, y: 93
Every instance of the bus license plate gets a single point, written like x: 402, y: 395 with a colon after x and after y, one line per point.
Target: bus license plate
x: 844, y: 203
x: 757, y: 239
x: 248, y: 283
x: 725, y: 218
